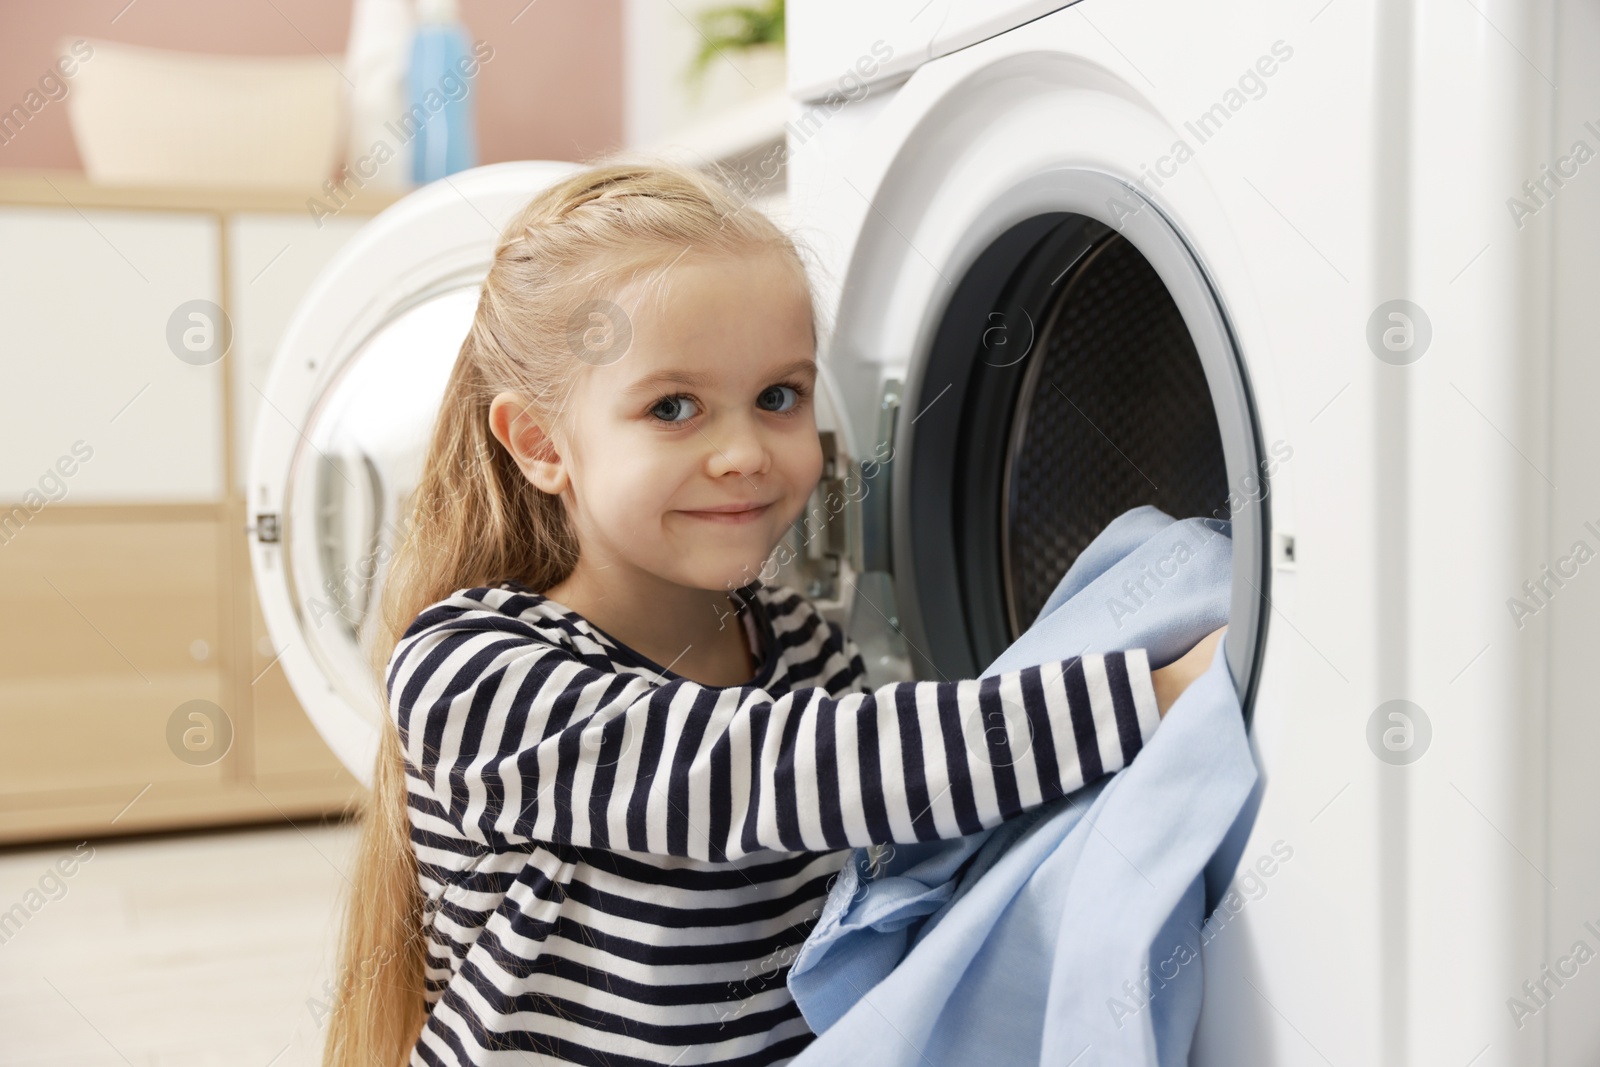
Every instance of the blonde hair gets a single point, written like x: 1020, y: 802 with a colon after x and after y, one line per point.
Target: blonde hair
x: 476, y: 520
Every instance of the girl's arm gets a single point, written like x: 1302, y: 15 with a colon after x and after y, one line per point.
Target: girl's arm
x: 517, y: 741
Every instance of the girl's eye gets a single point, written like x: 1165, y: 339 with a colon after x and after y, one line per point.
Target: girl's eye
x: 778, y: 399
x: 670, y: 408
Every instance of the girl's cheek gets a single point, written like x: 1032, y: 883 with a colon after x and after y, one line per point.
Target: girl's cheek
x: 809, y: 459
x: 649, y: 475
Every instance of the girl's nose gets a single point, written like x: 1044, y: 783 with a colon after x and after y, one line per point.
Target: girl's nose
x: 737, y: 446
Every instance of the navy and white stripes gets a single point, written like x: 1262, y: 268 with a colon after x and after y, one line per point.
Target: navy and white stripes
x: 619, y: 863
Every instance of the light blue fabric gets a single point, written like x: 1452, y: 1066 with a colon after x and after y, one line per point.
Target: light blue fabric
x: 1043, y: 939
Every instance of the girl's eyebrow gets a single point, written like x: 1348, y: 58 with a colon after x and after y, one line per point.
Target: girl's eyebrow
x: 674, y: 377
x: 689, y: 378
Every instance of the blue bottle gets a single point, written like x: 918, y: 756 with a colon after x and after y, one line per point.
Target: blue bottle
x: 439, y: 94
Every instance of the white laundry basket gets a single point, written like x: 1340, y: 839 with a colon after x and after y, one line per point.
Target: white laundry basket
x: 145, y: 116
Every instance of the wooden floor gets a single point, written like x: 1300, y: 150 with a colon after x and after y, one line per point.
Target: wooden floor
x: 173, y: 951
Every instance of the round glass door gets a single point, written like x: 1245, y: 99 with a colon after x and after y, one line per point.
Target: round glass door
x: 352, y: 476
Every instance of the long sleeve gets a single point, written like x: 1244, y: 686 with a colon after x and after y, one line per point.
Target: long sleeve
x: 515, y: 739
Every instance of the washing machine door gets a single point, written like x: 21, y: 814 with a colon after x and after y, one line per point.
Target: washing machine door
x: 350, y: 404
x: 1068, y: 360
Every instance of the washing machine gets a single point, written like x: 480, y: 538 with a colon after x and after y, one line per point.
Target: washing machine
x: 1325, y: 269
x: 1321, y: 269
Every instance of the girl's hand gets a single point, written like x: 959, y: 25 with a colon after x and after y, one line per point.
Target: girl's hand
x: 1170, y: 681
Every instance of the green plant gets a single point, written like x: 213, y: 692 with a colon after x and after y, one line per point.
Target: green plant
x: 737, y: 27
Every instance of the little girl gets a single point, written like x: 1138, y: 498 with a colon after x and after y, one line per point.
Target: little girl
x: 619, y: 768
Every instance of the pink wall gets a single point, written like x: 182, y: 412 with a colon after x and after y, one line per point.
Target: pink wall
x: 552, y: 91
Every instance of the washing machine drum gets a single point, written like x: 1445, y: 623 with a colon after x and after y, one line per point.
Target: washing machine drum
x: 1064, y: 387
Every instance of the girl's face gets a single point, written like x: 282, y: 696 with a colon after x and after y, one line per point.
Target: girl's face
x: 709, y: 408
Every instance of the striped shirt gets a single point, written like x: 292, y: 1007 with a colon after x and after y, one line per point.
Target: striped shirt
x: 619, y: 864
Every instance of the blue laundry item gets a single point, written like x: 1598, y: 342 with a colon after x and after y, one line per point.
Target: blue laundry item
x: 1043, y: 939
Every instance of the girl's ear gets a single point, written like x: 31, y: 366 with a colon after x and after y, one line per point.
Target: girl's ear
x: 512, y: 422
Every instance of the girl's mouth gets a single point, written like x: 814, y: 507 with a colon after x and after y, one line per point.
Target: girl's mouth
x: 730, y: 517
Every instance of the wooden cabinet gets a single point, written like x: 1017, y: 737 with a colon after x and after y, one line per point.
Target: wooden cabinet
x: 139, y: 689
x: 86, y: 297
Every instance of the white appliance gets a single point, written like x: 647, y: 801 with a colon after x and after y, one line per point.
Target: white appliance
x: 1328, y: 198
x: 1044, y: 312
